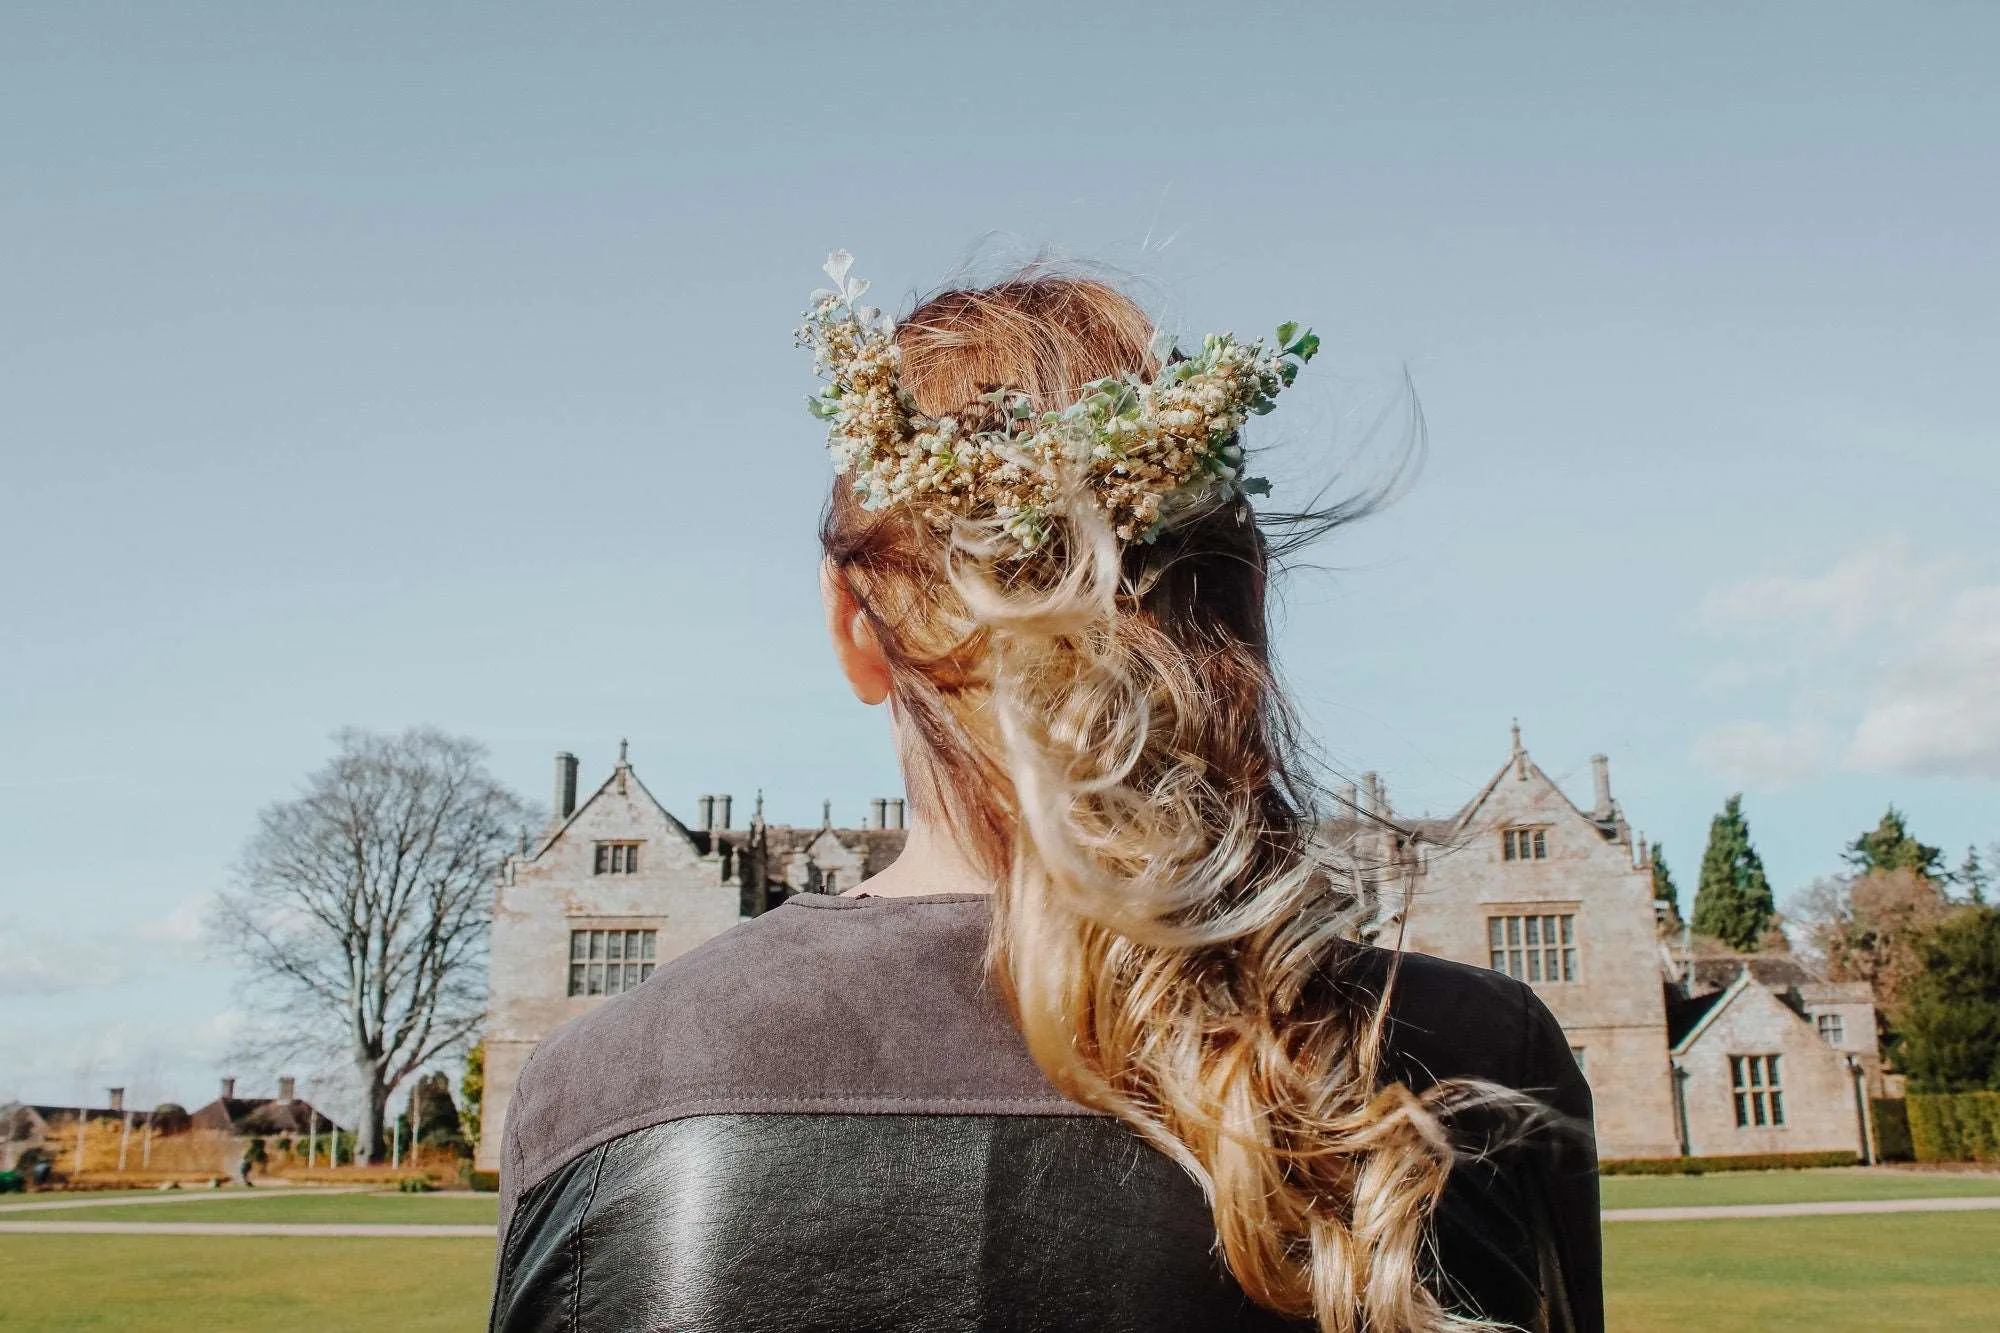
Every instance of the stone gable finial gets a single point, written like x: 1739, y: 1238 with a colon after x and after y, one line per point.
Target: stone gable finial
x: 826, y: 813
x: 623, y: 747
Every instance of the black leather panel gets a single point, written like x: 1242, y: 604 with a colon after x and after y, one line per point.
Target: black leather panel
x: 930, y: 1224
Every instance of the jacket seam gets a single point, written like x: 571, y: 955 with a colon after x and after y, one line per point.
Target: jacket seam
x: 576, y: 1246
x: 841, y: 902
x: 1527, y: 1025
x: 687, y: 1110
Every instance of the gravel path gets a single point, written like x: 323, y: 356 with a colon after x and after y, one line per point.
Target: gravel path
x: 416, y: 1230
x: 1718, y: 1213
x: 180, y: 1196
x: 1837, y: 1208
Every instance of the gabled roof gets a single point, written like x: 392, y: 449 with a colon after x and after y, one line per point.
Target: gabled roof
x: 259, y: 1115
x: 1700, y: 1013
x: 1715, y: 1005
x: 623, y: 777
x: 1685, y: 1013
x: 1519, y: 759
x: 47, y: 1113
x: 1451, y: 830
x: 877, y: 847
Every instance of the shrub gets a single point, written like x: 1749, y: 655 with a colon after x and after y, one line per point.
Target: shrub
x: 1950, y: 1024
x: 1955, y: 1127
x: 1697, y: 1166
x: 170, y: 1118
x: 11, y: 1182
x: 485, y: 1182
x: 1892, y: 1129
x: 415, y: 1185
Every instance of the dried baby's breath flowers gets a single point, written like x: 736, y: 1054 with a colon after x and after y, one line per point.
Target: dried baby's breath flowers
x: 1141, y: 449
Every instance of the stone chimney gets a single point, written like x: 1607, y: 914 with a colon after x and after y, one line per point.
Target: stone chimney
x: 722, y: 804
x: 565, y: 802
x: 287, y: 1088
x: 228, y: 1089
x: 1350, y: 799
x: 1600, y: 772
x: 896, y: 812
x: 117, y: 1096
x: 1376, y: 798
x: 878, y: 812
x: 705, y: 805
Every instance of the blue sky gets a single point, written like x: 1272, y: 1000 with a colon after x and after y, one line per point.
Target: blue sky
x: 384, y: 365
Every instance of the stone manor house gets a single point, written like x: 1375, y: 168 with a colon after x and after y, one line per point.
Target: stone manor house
x: 1697, y: 1054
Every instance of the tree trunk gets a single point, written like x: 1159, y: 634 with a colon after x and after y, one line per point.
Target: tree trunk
x: 374, y: 1107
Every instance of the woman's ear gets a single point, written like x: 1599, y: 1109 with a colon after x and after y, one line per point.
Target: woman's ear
x: 854, y: 644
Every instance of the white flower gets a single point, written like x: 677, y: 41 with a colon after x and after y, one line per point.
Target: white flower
x: 1145, y: 449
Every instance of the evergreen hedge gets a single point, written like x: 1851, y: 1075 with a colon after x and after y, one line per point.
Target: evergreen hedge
x: 1892, y: 1129
x: 1698, y: 1166
x: 1955, y: 1126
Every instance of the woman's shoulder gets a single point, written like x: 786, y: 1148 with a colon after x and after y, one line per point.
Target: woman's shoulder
x: 1450, y: 1020
x: 829, y: 1005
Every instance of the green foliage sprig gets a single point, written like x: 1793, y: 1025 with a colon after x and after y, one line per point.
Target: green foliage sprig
x: 1142, y: 450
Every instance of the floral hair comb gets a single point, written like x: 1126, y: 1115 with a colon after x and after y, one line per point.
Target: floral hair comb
x: 1142, y: 449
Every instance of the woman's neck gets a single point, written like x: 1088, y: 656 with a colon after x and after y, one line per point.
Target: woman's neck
x: 931, y: 863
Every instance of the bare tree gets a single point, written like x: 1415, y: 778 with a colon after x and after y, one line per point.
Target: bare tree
x: 360, y: 909
x: 1870, y: 927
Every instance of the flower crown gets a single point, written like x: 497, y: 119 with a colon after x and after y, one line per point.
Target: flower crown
x: 1142, y: 449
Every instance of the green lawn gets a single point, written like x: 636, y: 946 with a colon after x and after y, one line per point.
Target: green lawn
x: 1930, y: 1271
x: 184, y: 1192
x: 439, y: 1208
x: 149, y: 1283
x: 1905, y: 1271
x: 1791, y: 1187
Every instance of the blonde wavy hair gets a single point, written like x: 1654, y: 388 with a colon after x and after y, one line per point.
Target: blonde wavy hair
x: 1100, y: 726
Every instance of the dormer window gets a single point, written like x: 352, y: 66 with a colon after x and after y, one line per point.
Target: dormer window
x: 616, y: 858
x: 1524, y: 844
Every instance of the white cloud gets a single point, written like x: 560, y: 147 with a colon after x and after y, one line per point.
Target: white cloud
x: 1938, y: 711
x: 153, y: 1059
x: 1900, y: 657
x: 29, y: 966
x: 1758, y: 756
x: 1879, y: 587
x: 39, y: 958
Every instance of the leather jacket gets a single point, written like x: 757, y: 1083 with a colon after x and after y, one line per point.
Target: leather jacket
x: 824, y: 1120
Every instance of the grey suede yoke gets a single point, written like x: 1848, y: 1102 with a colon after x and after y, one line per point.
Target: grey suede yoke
x: 881, y: 1006
x: 824, y: 1005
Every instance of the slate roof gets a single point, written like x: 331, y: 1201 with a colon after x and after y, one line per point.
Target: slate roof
x: 258, y: 1115
x: 1776, y: 971
x: 1684, y: 1014
x: 877, y: 846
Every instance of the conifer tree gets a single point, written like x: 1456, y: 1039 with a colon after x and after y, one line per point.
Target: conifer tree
x: 1972, y: 877
x: 1889, y: 846
x: 1733, y: 901
x: 1664, y: 889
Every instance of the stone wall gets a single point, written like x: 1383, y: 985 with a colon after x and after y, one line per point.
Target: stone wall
x: 1613, y: 1009
x: 676, y: 892
x: 1819, y: 1102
